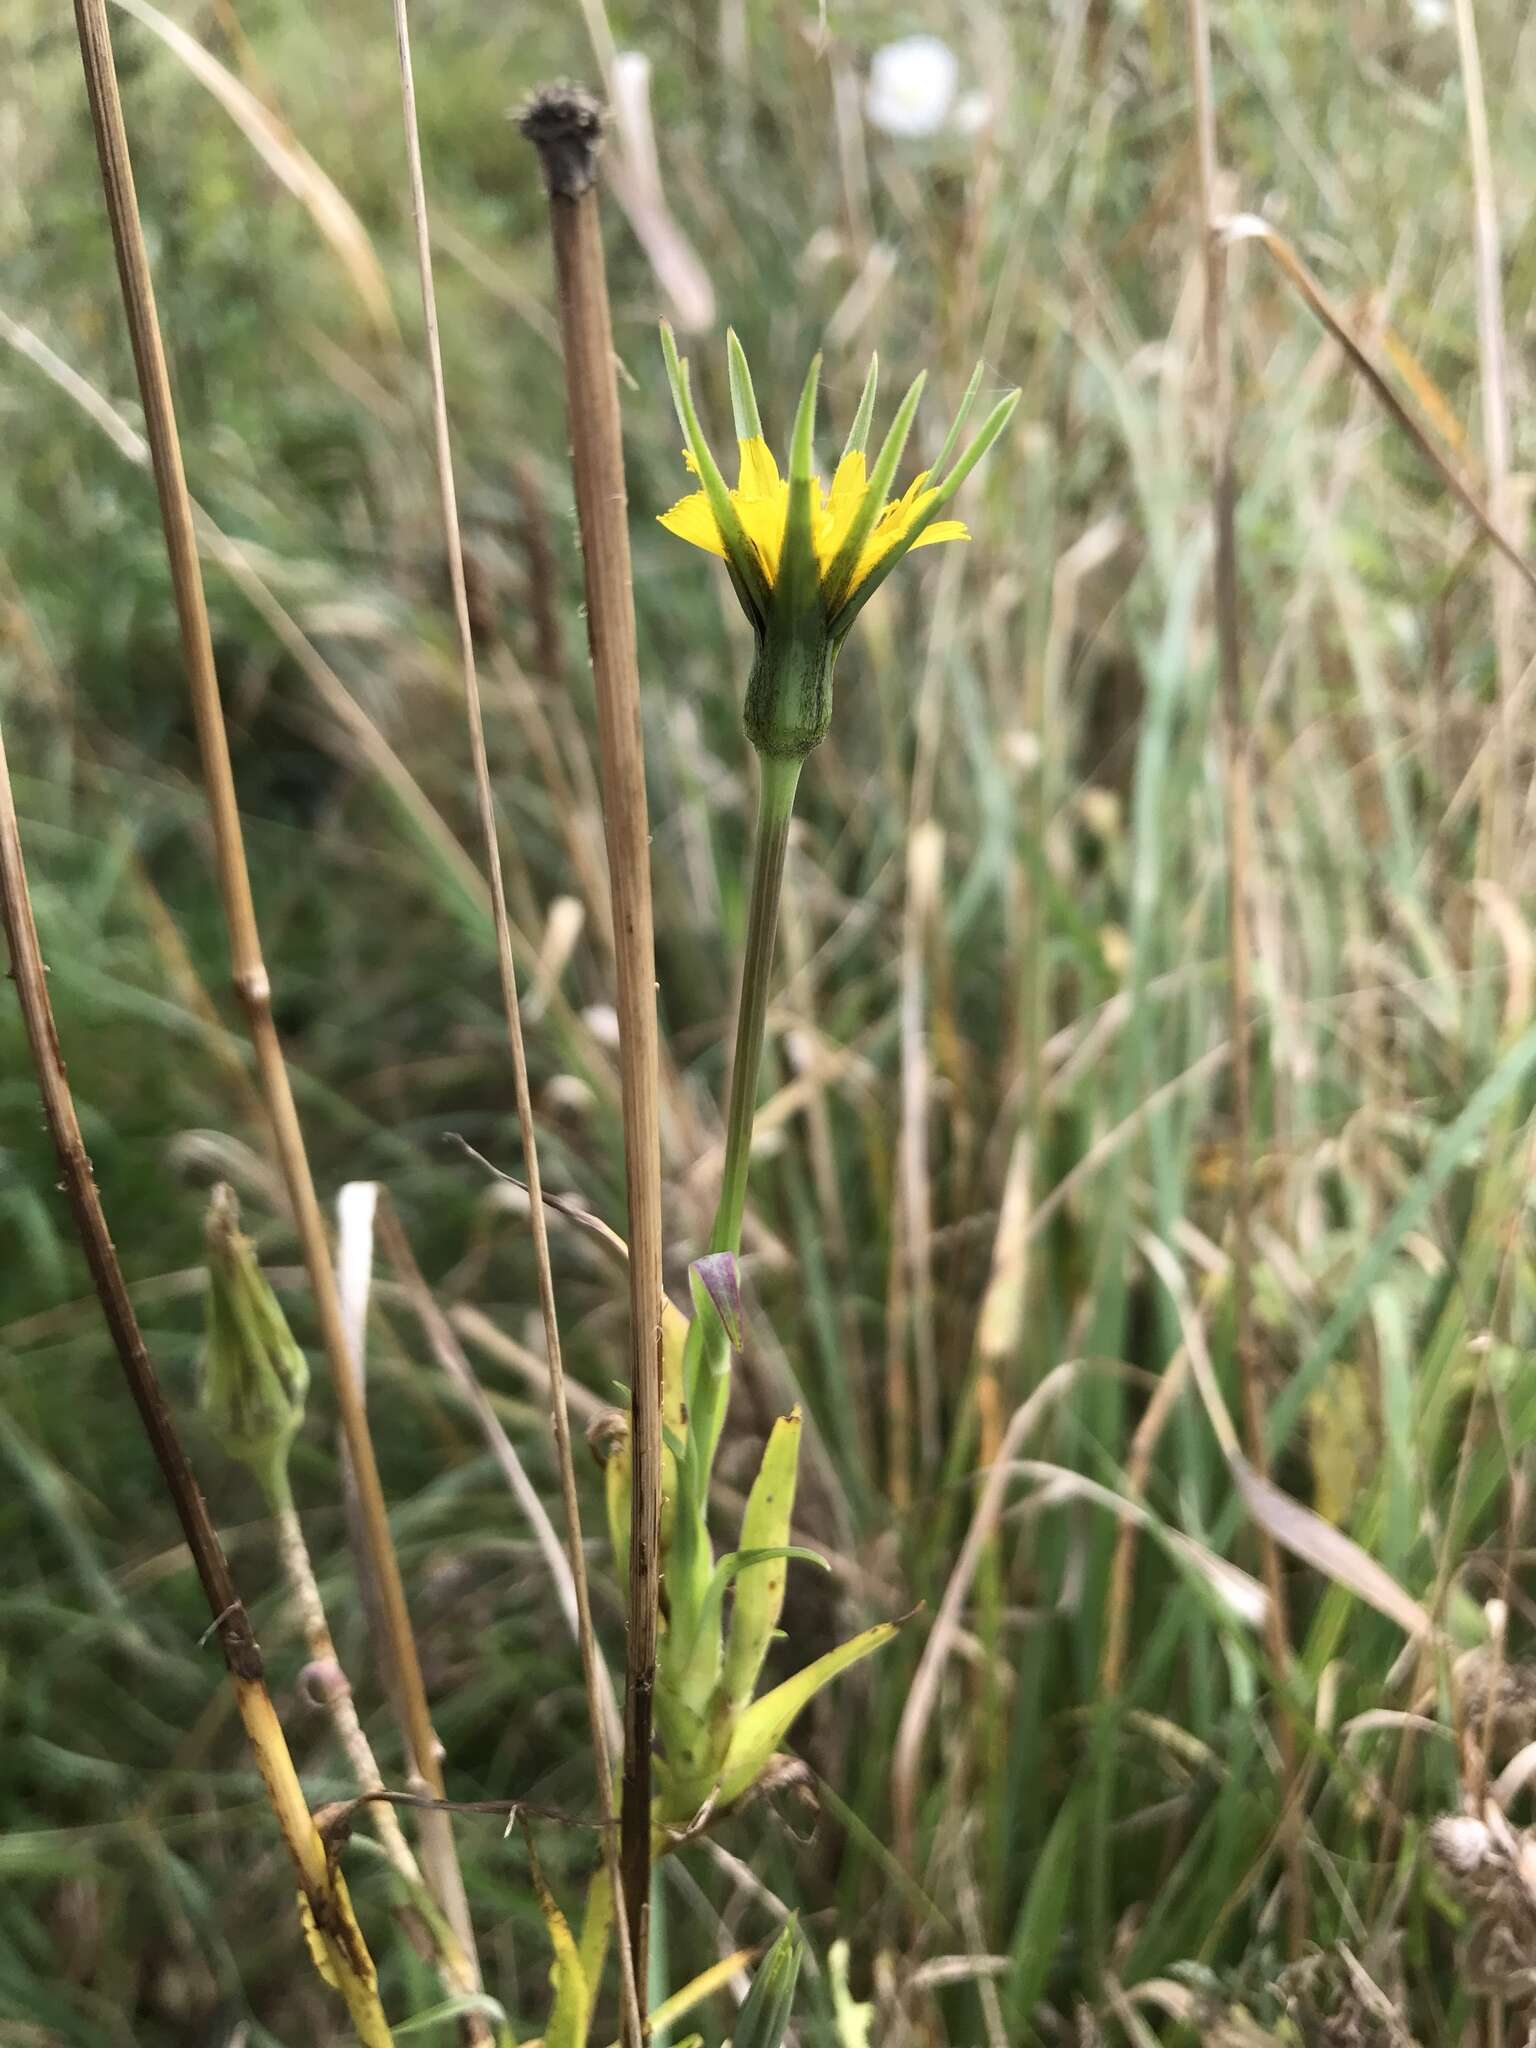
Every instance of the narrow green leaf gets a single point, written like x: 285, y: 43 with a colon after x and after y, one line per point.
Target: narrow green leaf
x: 764, y: 2018
x: 767, y: 1721
x: 1037, y: 1931
x: 760, y: 1595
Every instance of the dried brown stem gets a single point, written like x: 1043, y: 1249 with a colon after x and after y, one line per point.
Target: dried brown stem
x: 456, y: 1968
x: 333, y: 1916
x: 565, y: 127
x: 248, y: 970
x: 1237, y: 763
x: 594, y: 1675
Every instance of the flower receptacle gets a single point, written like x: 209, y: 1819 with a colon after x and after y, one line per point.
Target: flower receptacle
x: 789, y: 691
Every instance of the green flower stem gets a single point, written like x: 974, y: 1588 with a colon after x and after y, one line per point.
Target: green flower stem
x: 775, y: 806
x: 707, y: 1363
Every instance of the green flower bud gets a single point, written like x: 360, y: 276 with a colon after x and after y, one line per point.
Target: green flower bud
x: 255, y: 1377
x: 804, y: 557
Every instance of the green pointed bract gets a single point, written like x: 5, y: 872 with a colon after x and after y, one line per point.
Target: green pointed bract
x: 739, y: 551
x: 881, y: 477
x: 799, y: 584
x: 767, y: 1721
x: 993, y: 425
x: 858, y: 433
x: 255, y: 1377
x: 744, y: 411
x: 698, y: 1668
x: 957, y: 424
x: 764, y: 2017
x: 707, y: 1372
x: 765, y: 1527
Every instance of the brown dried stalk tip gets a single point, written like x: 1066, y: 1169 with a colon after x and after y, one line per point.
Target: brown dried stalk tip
x: 565, y: 123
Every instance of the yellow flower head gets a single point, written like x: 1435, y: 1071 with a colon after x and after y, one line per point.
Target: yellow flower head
x: 761, y: 501
x: 804, y: 559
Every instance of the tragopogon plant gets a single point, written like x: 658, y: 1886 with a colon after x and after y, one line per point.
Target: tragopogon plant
x: 803, y: 561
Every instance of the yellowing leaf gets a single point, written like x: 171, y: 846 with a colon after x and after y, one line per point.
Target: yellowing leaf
x: 767, y: 1721
x: 674, y: 1341
x: 572, y: 2016
x: 314, y: 1941
x: 760, y: 1587
x: 1342, y: 1440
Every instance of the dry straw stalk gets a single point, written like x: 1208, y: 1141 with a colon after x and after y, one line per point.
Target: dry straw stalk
x: 340, y: 1937
x: 565, y: 126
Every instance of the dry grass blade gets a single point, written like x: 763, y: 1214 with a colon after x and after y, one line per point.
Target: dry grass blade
x: 1328, y: 1550
x: 357, y: 1206
x: 450, y: 1355
x: 1249, y: 227
x: 1305, y: 1534
x: 1238, y: 819
x: 231, y: 556
x: 289, y: 162
x: 338, y: 1932
x: 565, y: 126
x: 456, y: 1967
x: 925, y: 866
x: 573, y: 1580
x: 1495, y: 402
x: 1149, y: 1429
x: 249, y: 973
x: 922, y: 1696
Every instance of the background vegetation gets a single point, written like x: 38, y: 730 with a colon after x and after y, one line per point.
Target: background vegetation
x: 996, y: 1158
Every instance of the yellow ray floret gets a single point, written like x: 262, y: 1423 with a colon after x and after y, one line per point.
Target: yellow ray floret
x: 761, y: 500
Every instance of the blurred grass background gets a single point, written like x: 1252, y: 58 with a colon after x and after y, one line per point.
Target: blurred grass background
x: 999, y: 1126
